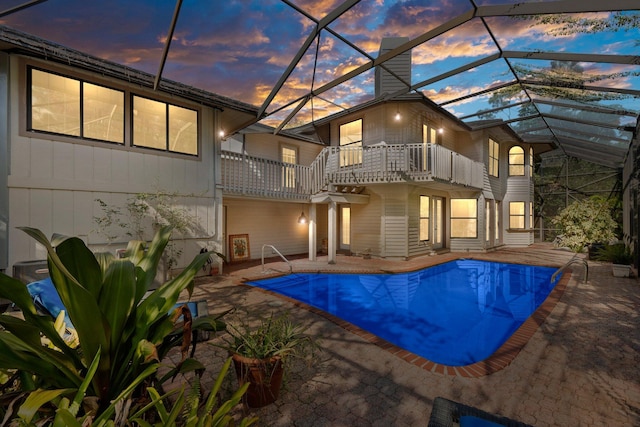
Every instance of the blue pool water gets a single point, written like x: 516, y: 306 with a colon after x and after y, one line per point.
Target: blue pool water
x: 456, y: 313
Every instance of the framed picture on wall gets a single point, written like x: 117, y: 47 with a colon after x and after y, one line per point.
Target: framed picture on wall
x: 239, y: 247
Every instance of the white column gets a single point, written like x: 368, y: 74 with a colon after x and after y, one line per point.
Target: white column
x: 313, y: 234
x: 333, y: 232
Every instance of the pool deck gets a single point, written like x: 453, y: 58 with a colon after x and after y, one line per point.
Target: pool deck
x: 575, y: 363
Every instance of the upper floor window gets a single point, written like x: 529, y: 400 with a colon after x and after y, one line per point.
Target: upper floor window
x: 289, y: 155
x: 516, y: 161
x: 73, y: 107
x: 494, y: 156
x: 464, y: 218
x: 351, y: 143
x: 164, y: 126
x: 67, y: 106
x: 429, y: 134
x: 531, y: 162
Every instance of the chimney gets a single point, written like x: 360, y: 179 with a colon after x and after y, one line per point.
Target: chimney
x: 400, y: 65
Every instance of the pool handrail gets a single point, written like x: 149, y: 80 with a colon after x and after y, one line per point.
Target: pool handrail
x: 572, y: 261
x: 281, y: 256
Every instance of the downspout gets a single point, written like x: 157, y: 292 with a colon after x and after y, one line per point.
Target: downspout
x: 4, y: 161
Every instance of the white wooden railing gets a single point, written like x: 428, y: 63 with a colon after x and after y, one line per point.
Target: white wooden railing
x: 254, y: 176
x: 381, y: 163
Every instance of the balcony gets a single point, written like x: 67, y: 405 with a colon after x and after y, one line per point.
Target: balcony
x: 347, y: 166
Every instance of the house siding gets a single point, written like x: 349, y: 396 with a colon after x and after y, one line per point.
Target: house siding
x: 272, y: 223
x: 365, y: 226
x: 394, y: 222
x: 53, y: 185
x: 519, y: 189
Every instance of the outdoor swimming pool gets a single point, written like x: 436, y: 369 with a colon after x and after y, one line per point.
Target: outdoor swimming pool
x: 456, y: 313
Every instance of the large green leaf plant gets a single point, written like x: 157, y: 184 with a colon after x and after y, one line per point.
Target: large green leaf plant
x: 123, y: 328
x: 585, y: 222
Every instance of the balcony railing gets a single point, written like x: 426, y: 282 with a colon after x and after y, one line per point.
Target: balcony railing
x: 254, y: 176
x: 381, y: 163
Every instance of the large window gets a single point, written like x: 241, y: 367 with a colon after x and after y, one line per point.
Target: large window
x: 429, y: 134
x: 496, y: 222
x: 289, y: 156
x: 164, y: 126
x: 494, y: 156
x: 76, y: 108
x: 183, y: 130
x: 516, y: 161
x: 531, y: 162
x: 516, y: 215
x: 487, y: 222
x: 424, y: 217
x: 345, y: 226
x: 531, y: 219
x: 351, y: 143
x: 103, y: 113
x: 67, y: 106
x: 464, y: 218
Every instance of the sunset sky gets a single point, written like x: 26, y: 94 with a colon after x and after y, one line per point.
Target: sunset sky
x: 240, y: 49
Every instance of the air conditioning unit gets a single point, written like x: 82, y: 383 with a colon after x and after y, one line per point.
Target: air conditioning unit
x: 31, y: 271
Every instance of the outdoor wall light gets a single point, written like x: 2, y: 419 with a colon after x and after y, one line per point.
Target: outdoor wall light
x: 302, y: 219
x: 397, y: 116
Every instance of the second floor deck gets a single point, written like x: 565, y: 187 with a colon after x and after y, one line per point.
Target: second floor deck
x: 347, y: 166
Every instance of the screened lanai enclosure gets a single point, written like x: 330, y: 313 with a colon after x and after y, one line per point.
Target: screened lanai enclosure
x: 564, y: 75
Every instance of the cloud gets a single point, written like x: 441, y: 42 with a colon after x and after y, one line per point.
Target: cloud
x: 240, y: 49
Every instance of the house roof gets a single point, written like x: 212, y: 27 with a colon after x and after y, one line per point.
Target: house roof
x: 562, y: 72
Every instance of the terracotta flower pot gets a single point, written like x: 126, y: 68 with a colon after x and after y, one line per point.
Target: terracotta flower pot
x: 264, y: 376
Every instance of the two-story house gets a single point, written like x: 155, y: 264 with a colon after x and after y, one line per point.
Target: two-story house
x: 394, y: 178
x: 75, y: 130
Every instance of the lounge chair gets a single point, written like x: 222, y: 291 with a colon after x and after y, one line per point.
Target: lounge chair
x: 447, y: 413
x: 46, y: 299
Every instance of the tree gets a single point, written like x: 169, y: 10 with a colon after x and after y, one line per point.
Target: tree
x: 584, y: 222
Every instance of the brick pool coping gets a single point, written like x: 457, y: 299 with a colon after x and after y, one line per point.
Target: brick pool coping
x: 500, y: 359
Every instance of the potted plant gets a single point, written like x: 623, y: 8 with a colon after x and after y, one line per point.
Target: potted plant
x: 261, y: 354
x: 620, y: 256
x: 214, y: 265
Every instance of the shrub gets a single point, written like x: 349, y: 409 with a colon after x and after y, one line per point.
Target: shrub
x: 583, y: 222
x: 618, y: 253
x: 123, y: 329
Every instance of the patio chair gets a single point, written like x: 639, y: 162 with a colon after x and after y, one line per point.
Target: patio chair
x: 447, y: 413
x: 47, y: 301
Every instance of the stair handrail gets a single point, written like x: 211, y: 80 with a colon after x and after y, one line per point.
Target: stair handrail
x: 278, y: 252
x: 572, y: 261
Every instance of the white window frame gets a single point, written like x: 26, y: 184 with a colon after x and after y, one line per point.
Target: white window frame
x: 468, y: 219
x: 289, y: 168
x: 494, y: 158
x: 516, y: 161
x: 350, y: 144
x: 424, y: 213
x: 520, y: 217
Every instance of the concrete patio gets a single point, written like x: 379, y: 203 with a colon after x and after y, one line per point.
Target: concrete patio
x: 580, y: 367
